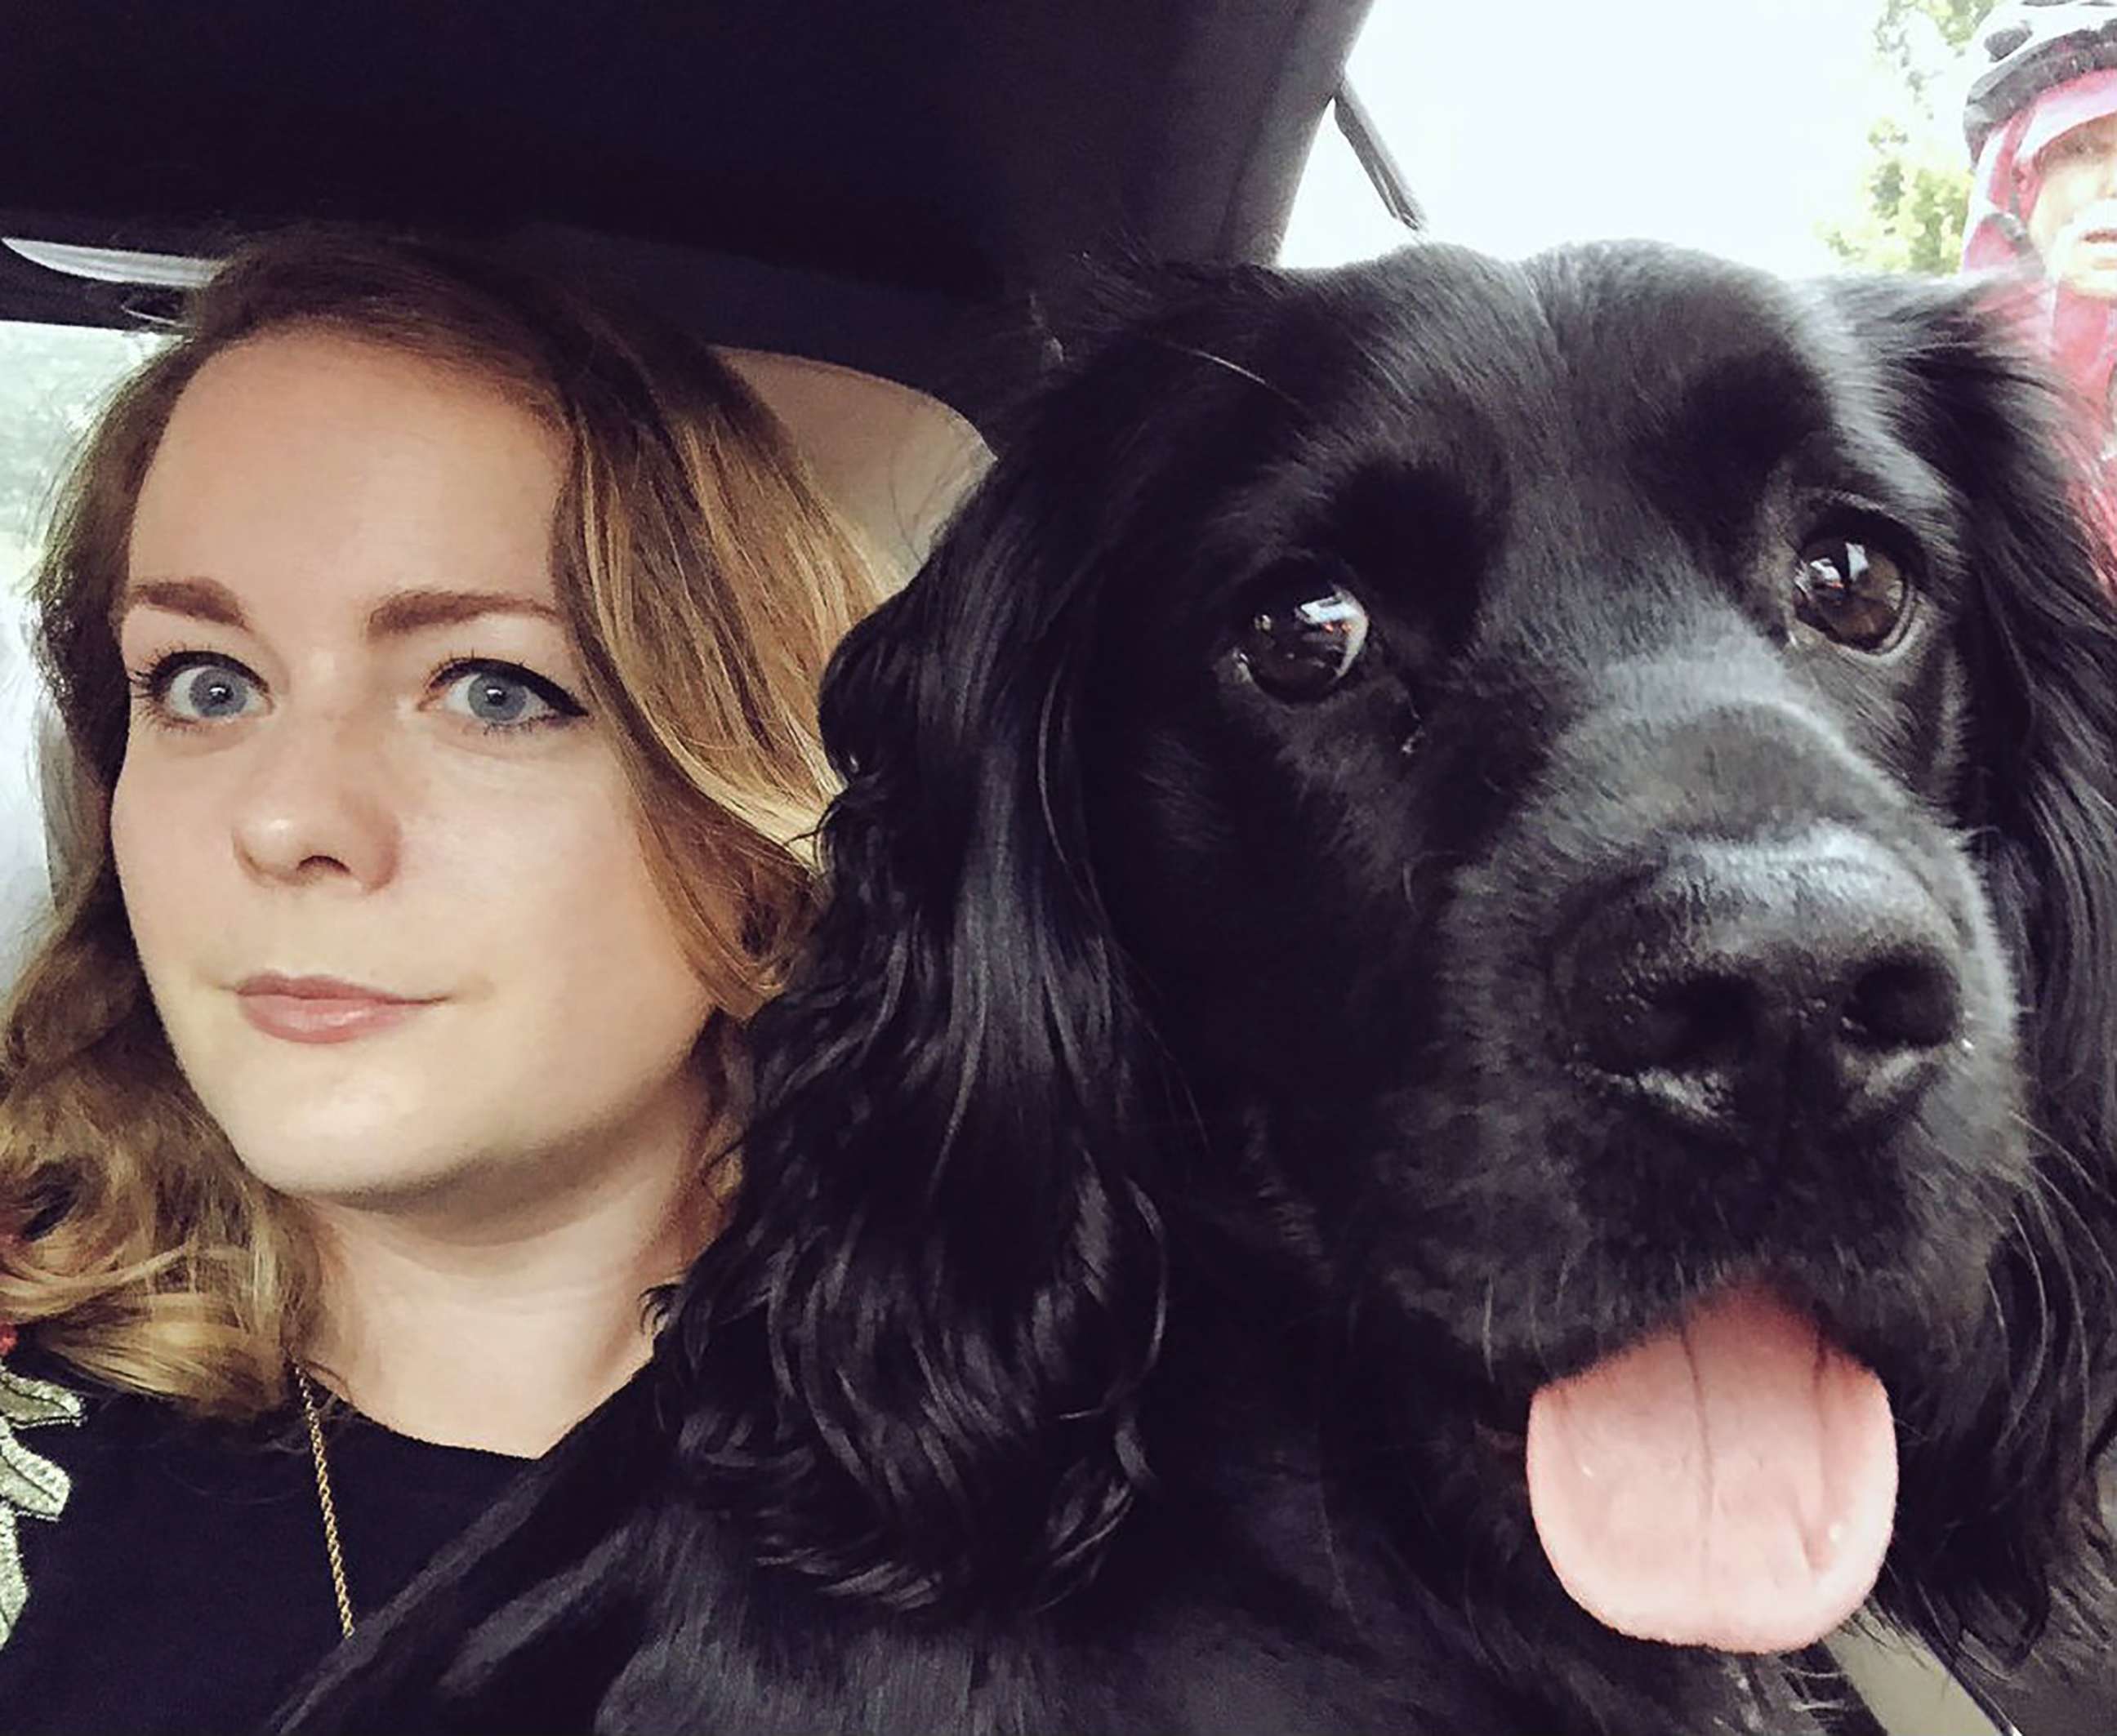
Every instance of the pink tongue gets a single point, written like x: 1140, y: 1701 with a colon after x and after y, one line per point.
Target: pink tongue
x: 1730, y: 1483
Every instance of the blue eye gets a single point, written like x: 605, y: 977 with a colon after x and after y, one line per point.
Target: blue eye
x: 504, y: 696
x: 191, y: 687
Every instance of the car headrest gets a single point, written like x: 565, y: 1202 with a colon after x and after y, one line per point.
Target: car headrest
x: 892, y: 460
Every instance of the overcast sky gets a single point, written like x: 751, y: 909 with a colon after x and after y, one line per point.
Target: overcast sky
x: 1738, y: 126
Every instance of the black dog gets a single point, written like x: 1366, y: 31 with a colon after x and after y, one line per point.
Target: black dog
x: 1472, y: 978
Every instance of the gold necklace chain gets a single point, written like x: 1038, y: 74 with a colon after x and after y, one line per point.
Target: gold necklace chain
x: 324, y: 1500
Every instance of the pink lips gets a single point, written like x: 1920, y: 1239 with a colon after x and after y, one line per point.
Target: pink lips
x: 320, y: 1009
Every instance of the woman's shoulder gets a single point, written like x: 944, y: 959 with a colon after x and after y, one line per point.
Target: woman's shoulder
x: 53, y: 1416
x: 33, y: 1486
x: 31, y: 1396
x: 166, y: 1571
x: 123, y: 1557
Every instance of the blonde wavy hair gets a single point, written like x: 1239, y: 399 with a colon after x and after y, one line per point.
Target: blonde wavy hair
x: 704, y: 583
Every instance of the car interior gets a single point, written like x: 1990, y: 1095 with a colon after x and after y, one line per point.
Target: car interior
x: 873, y: 209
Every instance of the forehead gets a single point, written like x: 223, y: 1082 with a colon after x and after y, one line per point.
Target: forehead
x: 1608, y: 353
x: 308, y: 458
x: 1574, y: 373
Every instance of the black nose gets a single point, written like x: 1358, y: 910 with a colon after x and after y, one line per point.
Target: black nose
x: 1740, y: 988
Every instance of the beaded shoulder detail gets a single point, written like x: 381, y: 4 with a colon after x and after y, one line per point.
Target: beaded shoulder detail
x: 31, y: 1486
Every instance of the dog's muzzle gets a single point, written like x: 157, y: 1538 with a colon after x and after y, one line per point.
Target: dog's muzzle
x: 1741, y: 989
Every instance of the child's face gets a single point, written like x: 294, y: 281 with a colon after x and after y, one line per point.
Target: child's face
x: 2074, y: 221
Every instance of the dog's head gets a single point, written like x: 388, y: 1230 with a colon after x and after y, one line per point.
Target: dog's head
x: 1579, y: 796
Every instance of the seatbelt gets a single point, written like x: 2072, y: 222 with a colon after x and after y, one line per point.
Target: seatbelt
x: 1908, y: 1691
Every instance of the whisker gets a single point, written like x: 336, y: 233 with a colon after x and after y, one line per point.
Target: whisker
x: 1233, y: 368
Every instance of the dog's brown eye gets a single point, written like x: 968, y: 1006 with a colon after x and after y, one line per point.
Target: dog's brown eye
x: 1853, y: 591
x: 1301, y: 638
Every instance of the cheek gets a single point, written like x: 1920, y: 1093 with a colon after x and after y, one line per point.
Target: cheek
x: 2066, y: 188
x: 155, y: 847
x: 573, y: 905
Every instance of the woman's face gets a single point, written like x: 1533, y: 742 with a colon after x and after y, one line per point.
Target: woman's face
x: 380, y: 866
x: 2074, y: 222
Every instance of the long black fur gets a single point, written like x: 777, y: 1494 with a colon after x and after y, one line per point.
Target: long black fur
x: 1173, y: 1171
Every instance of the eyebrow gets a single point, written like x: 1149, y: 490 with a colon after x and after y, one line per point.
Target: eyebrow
x: 414, y: 611
x: 401, y: 612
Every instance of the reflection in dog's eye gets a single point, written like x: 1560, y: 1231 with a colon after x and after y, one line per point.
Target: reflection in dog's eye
x: 1851, y: 592
x: 1300, y: 641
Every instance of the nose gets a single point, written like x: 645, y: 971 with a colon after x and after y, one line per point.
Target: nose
x: 316, y: 805
x: 1742, y: 988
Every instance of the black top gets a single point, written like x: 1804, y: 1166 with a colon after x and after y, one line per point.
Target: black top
x: 183, y: 1586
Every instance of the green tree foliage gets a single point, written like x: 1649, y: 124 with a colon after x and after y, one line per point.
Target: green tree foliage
x: 1918, y: 179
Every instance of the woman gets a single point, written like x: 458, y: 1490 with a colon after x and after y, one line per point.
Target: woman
x: 439, y: 653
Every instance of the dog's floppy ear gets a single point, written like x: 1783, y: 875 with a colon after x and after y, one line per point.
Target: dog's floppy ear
x: 923, y: 1333
x: 1998, y: 1512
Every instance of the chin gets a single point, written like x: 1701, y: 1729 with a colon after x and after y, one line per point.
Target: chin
x: 330, y: 1150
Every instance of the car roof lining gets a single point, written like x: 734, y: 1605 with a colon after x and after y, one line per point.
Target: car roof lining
x: 886, y: 188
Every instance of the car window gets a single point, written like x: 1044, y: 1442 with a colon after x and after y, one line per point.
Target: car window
x: 1801, y: 136
x: 53, y: 380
